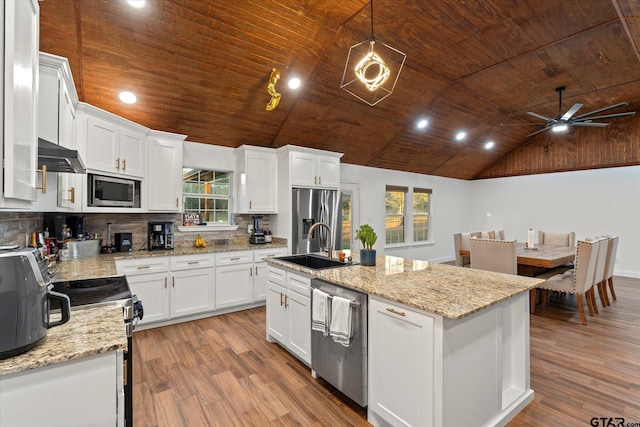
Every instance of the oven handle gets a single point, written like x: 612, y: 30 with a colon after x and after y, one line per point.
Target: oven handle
x: 65, y: 307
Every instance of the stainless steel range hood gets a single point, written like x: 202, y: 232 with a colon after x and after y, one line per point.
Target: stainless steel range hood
x: 58, y: 158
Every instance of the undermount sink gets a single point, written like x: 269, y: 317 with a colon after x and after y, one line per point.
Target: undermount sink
x: 315, y: 262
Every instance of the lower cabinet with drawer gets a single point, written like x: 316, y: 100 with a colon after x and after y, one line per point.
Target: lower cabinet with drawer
x: 289, y: 311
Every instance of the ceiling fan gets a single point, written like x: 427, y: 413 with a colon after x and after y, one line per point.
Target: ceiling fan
x: 563, y: 121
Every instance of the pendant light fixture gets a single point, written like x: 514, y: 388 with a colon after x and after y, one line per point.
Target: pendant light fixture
x: 372, y: 69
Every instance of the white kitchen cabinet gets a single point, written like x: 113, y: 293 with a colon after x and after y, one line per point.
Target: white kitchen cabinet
x: 426, y: 370
x: 256, y: 180
x: 260, y: 271
x: 94, y: 386
x: 149, y: 280
x: 164, y: 177
x: 114, y: 148
x: 401, y: 357
x: 56, y: 117
x: 192, y: 284
x: 234, y: 279
x: 314, y: 170
x: 289, y: 311
x: 20, y: 95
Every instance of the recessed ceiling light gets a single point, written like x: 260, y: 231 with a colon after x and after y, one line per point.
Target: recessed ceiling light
x: 423, y: 123
x: 127, y: 97
x: 138, y: 4
x: 489, y: 145
x: 461, y: 135
x: 294, y: 83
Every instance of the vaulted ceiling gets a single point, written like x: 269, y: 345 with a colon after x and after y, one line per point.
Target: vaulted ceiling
x: 201, y: 68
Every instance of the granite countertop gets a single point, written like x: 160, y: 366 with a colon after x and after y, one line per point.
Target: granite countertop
x: 90, y: 331
x: 445, y: 290
x: 104, y: 265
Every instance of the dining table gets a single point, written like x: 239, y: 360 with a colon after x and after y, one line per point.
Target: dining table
x: 538, y: 260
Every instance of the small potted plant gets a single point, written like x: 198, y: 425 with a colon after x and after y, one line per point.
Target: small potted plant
x: 368, y: 238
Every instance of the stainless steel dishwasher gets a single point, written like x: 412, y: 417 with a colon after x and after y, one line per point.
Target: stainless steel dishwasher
x: 345, y: 368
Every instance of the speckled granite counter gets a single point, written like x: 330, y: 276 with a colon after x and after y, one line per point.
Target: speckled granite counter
x: 446, y: 290
x: 90, y: 331
x: 104, y: 265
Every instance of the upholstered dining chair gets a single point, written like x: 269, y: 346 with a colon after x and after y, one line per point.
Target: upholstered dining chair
x: 556, y: 239
x: 580, y: 279
x: 612, y: 249
x: 494, y: 255
x: 461, y: 241
x: 598, y: 274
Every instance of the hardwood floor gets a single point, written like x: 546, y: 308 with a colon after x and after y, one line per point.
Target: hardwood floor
x: 220, y: 371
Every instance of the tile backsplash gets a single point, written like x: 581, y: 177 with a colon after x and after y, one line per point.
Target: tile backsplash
x: 15, y: 226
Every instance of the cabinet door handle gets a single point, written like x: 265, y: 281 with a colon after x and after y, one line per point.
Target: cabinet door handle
x: 118, y: 163
x: 286, y: 301
x: 249, y: 204
x: 251, y: 271
x: 124, y: 165
x: 399, y: 313
x: 256, y: 270
x: 72, y: 198
x: 142, y: 267
x: 165, y: 283
x: 319, y: 180
x: 281, y: 299
x: 193, y: 262
x: 173, y: 281
x: 315, y: 180
x: 44, y: 179
x: 176, y: 202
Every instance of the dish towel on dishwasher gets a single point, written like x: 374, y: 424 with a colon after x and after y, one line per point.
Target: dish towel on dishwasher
x: 320, y: 312
x: 340, y: 328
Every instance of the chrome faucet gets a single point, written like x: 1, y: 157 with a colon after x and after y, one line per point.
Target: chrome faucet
x: 329, y: 247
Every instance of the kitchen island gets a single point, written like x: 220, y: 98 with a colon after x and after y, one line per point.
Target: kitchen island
x: 447, y: 346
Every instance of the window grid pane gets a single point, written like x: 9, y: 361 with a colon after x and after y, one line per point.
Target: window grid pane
x: 207, y: 193
x: 420, y: 228
x: 394, y: 221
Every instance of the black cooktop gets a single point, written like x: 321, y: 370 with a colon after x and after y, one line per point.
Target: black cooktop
x: 94, y: 291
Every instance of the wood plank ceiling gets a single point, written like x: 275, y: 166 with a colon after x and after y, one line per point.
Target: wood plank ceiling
x: 200, y: 68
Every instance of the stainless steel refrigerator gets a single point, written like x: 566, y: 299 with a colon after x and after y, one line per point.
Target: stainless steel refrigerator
x: 310, y: 205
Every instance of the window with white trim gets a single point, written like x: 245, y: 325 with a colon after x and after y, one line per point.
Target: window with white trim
x: 207, y: 193
x: 421, y: 210
x: 407, y: 215
x: 395, y: 214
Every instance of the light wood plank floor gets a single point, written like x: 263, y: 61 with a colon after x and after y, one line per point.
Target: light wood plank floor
x: 221, y: 371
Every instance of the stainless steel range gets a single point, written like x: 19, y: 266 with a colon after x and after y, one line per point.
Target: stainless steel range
x: 109, y: 291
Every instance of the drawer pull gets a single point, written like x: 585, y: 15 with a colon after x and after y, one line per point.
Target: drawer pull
x: 193, y: 262
x: 234, y: 259
x: 399, y: 313
x: 142, y: 267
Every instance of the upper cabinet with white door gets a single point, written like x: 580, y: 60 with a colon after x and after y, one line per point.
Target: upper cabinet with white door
x: 19, y: 46
x: 256, y: 180
x: 56, y: 116
x: 314, y: 168
x: 114, y: 145
x: 164, y: 177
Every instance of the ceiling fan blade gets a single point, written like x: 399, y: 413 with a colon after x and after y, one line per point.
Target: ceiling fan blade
x: 590, y: 124
x: 522, y: 124
x: 610, y: 107
x: 608, y: 116
x: 541, y: 130
x: 571, y: 111
x: 540, y: 116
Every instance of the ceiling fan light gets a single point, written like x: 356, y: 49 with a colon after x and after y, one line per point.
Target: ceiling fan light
x: 559, y: 127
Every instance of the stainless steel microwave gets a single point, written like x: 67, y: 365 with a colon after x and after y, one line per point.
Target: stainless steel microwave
x: 108, y: 191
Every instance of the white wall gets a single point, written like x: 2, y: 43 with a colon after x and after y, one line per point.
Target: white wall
x: 593, y: 202
x: 449, y: 210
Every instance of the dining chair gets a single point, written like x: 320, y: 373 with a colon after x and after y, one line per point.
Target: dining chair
x: 580, y: 279
x: 460, y: 240
x: 612, y: 249
x: 600, y: 270
x: 494, y: 255
x: 556, y: 239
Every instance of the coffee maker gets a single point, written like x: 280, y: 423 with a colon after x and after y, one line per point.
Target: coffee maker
x: 257, y: 234
x: 160, y: 236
